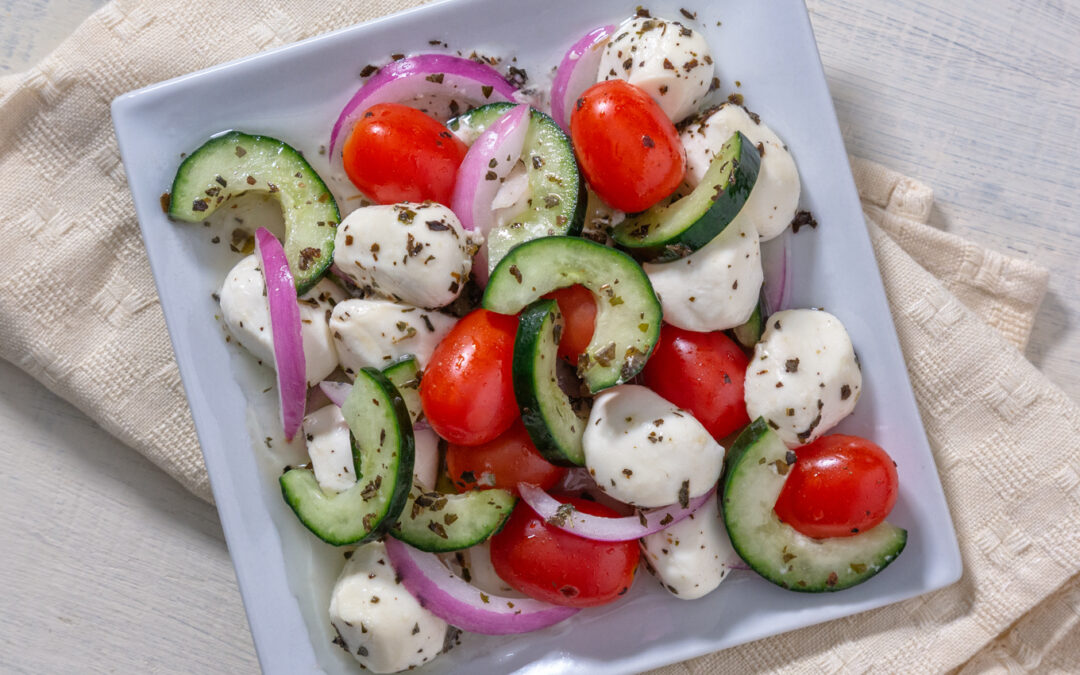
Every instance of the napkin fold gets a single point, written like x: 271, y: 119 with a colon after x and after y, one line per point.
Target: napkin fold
x: 79, y: 312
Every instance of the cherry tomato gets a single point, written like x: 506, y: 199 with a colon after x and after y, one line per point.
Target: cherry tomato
x: 549, y: 564
x: 840, y: 486
x: 578, y: 308
x: 627, y: 147
x: 502, y: 463
x: 395, y: 153
x: 467, y: 390
x: 702, y: 373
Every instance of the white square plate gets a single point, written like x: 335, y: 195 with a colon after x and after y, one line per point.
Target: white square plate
x: 294, y: 93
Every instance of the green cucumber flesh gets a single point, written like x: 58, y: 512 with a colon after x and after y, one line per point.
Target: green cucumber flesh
x: 383, y: 452
x: 405, y: 376
x: 557, y: 192
x: 671, y: 231
x: 438, y: 523
x: 749, y: 334
x: 546, y: 411
x: 233, y: 163
x: 758, y: 464
x: 628, y: 312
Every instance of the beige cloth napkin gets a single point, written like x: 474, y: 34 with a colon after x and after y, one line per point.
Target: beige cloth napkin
x: 79, y: 312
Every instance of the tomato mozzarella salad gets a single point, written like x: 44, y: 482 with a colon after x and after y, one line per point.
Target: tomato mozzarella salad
x: 548, y: 349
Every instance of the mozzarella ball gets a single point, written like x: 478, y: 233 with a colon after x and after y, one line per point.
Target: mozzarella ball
x: 666, y: 59
x: 379, y: 622
x: 716, y: 287
x: 804, y: 377
x: 330, y: 449
x: 246, y: 312
x: 691, y: 557
x: 426, y: 461
x: 375, y: 333
x: 775, y: 198
x: 417, y: 254
x: 645, y: 451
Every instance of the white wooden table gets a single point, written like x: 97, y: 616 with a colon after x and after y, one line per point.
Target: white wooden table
x: 107, y: 565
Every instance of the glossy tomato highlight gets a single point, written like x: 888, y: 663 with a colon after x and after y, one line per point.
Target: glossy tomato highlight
x: 550, y: 564
x: 467, y: 389
x: 628, y: 149
x: 840, y: 486
x: 395, y: 154
x: 702, y: 373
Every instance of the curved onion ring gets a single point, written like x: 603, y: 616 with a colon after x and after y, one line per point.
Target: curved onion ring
x: 488, y: 161
x: 576, y: 73
x: 601, y: 528
x: 422, y: 75
x: 285, y: 329
x: 463, y: 605
x: 775, y: 263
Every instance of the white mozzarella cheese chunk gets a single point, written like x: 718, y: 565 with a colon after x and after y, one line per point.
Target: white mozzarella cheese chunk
x: 329, y: 448
x: 716, y: 287
x: 666, y: 59
x: 375, y: 333
x: 377, y: 620
x: 414, y: 253
x: 691, y: 557
x: 426, y: 462
x: 645, y: 451
x: 775, y: 198
x: 246, y: 313
x: 804, y: 377
x: 330, y: 451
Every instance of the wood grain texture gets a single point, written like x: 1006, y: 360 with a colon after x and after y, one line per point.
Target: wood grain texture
x: 110, y: 566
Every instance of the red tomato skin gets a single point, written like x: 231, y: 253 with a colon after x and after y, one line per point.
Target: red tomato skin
x: 840, y: 486
x: 501, y: 463
x: 702, y: 373
x: 578, y: 307
x: 395, y: 154
x: 628, y: 149
x: 549, y: 564
x: 467, y: 390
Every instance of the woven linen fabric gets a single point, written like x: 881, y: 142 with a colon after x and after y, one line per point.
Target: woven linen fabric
x: 1003, y: 435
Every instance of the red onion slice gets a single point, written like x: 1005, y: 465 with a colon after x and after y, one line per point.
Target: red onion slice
x: 285, y: 329
x: 775, y: 259
x: 576, y: 73
x: 418, y: 76
x: 335, y: 391
x: 463, y: 605
x: 601, y: 528
x: 488, y: 161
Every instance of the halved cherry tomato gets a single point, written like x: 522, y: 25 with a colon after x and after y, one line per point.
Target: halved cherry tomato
x: 627, y: 147
x: 703, y: 373
x: 398, y: 154
x: 550, y: 564
x: 840, y: 486
x: 578, y: 308
x: 467, y: 389
x: 502, y: 463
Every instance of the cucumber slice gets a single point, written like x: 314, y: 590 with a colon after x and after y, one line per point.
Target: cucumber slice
x: 234, y: 163
x: 553, y: 426
x: 557, y: 191
x: 749, y: 334
x: 757, y: 465
x: 439, y: 523
x: 671, y: 231
x: 627, y: 310
x: 405, y: 376
x: 383, y: 455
